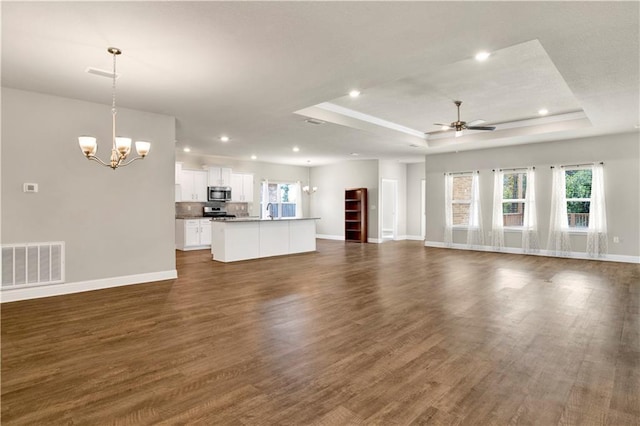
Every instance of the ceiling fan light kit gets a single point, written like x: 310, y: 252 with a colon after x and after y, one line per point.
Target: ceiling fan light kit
x: 460, y: 125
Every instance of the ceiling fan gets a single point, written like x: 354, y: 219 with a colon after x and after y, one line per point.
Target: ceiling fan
x: 459, y: 125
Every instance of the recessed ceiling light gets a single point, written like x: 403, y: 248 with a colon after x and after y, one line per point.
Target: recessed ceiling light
x: 543, y: 111
x: 482, y: 56
x: 296, y: 149
x: 354, y: 93
x: 224, y: 138
x: 186, y: 149
x: 253, y: 157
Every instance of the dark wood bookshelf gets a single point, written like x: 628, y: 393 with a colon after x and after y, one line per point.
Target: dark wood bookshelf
x: 355, y: 215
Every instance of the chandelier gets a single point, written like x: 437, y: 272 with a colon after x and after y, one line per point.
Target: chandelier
x: 309, y: 190
x: 121, y: 146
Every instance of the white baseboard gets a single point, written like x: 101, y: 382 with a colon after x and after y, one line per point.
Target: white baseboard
x: 208, y: 247
x: 341, y: 238
x: 411, y: 237
x: 36, y: 292
x: 547, y: 253
x: 404, y: 237
x: 330, y: 237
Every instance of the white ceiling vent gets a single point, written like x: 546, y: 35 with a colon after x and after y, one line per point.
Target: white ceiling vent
x: 101, y: 73
x: 314, y: 121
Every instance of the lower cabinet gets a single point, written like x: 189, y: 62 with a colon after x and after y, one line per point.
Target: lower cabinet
x: 193, y: 234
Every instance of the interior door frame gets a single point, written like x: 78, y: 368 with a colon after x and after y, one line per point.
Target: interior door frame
x: 384, y: 207
x: 423, y: 209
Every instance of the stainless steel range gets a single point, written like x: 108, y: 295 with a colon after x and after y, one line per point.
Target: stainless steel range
x: 216, y: 210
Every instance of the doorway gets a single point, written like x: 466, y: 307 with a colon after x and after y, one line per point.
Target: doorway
x: 423, y: 211
x: 389, y: 206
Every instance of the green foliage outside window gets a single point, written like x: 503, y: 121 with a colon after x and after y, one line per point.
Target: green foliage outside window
x: 285, y: 193
x: 514, y: 186
x: 578, y: 186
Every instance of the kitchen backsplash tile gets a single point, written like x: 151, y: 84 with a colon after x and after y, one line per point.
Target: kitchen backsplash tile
x: 238, y: 209
x: 189, y: 209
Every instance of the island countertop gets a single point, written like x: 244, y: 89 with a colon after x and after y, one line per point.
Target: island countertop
x: 251, y: 238
x: 257, y: 219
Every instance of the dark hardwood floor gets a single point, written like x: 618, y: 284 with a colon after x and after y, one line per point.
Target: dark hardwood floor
x: 386, y: 334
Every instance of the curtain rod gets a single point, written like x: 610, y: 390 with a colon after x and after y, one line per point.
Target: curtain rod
x: 579, y: 165
x: 463, y: 173
x: 513, y: 170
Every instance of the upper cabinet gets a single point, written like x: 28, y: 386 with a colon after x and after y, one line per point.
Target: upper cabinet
x: 242, y: 187
x: 219, y: 176
x: 178, y: 177
x: 193, y: 185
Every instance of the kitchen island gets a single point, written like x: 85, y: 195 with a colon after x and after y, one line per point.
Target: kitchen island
x: 252, y: 238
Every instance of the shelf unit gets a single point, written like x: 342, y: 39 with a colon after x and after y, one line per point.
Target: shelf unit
x: 355, y: 215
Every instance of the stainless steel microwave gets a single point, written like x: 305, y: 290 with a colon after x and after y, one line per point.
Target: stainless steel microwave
x: 219, y: 193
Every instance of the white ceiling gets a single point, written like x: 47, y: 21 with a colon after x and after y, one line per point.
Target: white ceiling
x: 244, y: 69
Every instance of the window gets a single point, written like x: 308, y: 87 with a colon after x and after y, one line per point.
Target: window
x: 514, y: 187
x: 462, y: 207
x: 578, y: 190
x: 281, y: 200
x: 461, y: 200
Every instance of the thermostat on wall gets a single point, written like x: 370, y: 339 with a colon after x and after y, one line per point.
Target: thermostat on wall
x: 30, y: 187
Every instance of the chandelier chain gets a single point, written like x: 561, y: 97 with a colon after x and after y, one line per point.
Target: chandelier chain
x: 113, y: 87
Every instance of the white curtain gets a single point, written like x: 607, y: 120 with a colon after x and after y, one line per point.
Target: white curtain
x: 597, y: 233
x: 530, y: 221
x: 475, y: 232
x: 558, y: 243
x: 264, y: 198
x: 497, y: 221
x: 298, y: 198
x: 448, y: 214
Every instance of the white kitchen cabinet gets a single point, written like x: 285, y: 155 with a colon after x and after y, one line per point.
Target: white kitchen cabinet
x: 178, y: 179
x: 242, y: 187
x: 219, y: 176
x: 234, y: 240
x: 193, y: 185
x: 193, y: 234
x: 205, y: 232
x: 178, y: 176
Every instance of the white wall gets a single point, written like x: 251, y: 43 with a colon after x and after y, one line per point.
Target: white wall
x: 260, y: 170
x: 415, y: 174
x: 621, y: 154
x: 114, y: 223
x: 328, y: 202
x: 389, y: 169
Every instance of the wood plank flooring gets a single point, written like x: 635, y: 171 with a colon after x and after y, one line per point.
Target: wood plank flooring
x: 387, y: 334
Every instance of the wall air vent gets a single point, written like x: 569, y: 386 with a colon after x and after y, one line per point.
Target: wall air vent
x: 314, y: 121
x: 101, y: 73
x: 32, y: 264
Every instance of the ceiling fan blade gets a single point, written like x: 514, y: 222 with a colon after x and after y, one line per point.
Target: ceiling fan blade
x: 481, y: 127
x: 441, y: 125
x: 476, y: 122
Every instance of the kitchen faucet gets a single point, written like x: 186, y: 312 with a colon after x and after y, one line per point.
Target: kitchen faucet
x: 269, y: 210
